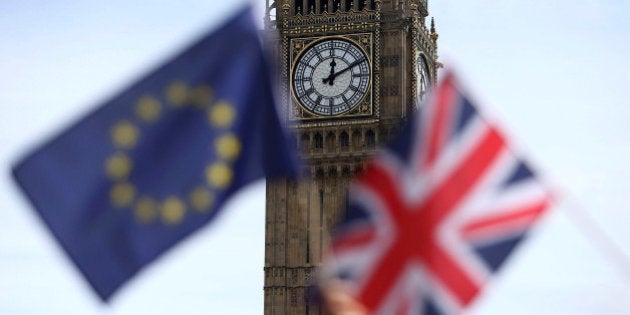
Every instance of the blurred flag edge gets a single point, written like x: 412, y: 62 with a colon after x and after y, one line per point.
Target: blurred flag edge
x: 157, y: 161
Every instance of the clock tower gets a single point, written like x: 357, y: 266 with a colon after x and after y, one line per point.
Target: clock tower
x: 350, y: 71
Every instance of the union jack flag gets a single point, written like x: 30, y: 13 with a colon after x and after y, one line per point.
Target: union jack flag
x: 436, y: 213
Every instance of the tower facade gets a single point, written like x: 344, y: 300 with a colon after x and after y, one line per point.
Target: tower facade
x: 350, y: 71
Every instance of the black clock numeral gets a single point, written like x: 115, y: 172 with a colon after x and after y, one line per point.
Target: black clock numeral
x: 345, y: 100
x: 360, y: 75
x: 318, y: 53
x: 346, y: 50
x: 306, y: 64
x: 309, y: 91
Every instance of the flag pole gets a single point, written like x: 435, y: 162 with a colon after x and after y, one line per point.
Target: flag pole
x: 602, y: 241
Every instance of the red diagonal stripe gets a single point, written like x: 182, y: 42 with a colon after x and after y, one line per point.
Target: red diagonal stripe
x: 444, y: 200
x: 440, y: 123
x: 523, y: 215
x: 384, y: 276
x: 381, y: 181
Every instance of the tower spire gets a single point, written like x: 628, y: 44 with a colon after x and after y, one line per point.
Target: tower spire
x: 434, y: 34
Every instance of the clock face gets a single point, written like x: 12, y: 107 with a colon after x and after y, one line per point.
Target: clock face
x: 424, y: 81
x: 331, y: 77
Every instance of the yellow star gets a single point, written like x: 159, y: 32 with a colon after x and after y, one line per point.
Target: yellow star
x: 148, y: 108
x: 222, y: 114
x: 146, y: 210
x: 173, y: 211
x: 118, y: 166
x: 228, y: 146
x: 201, y: 96
x: 125, y: 134
x: 122, y: 195
x: 201, y: 199
x: 219, y: 175
x: 177, y: 93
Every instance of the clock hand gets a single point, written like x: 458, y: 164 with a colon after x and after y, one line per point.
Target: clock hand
x: 332, y: 76
x: 350, y: 66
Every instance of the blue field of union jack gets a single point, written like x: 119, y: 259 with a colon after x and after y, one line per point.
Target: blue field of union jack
x: 436, y: 213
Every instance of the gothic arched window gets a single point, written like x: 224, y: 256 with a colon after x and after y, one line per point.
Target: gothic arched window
x: 319, y: 141
x: 332, y: 172
x: 336, y: 6
x: 345, y: 172
x: 356, y: 139
x: 330, y: 142
x: 297, y: 7
x: 319, y: 173
x: 370, y: 139
x: 344, y: 141
x: 304, y: 142
x: 323, y: 6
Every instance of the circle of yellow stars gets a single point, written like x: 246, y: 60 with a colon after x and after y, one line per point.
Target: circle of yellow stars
x: 125, y: 135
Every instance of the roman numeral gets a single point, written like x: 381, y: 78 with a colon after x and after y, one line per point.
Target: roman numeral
x: 346, y: 51
x: 307, y: 92
x: 318, y: 52
x: 306, y: 64
x: 345, y: 100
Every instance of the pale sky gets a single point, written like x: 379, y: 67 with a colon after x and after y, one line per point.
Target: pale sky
x: 554, y: 74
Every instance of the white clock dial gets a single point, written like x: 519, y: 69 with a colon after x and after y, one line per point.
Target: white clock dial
x: 331, y: 77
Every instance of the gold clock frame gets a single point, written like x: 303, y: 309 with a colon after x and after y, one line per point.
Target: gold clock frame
x: 298, y: 46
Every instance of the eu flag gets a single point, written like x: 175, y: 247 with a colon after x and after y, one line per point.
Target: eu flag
x: 157, y: 161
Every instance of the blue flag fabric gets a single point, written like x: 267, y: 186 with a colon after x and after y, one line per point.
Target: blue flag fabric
x: 155, y: 163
